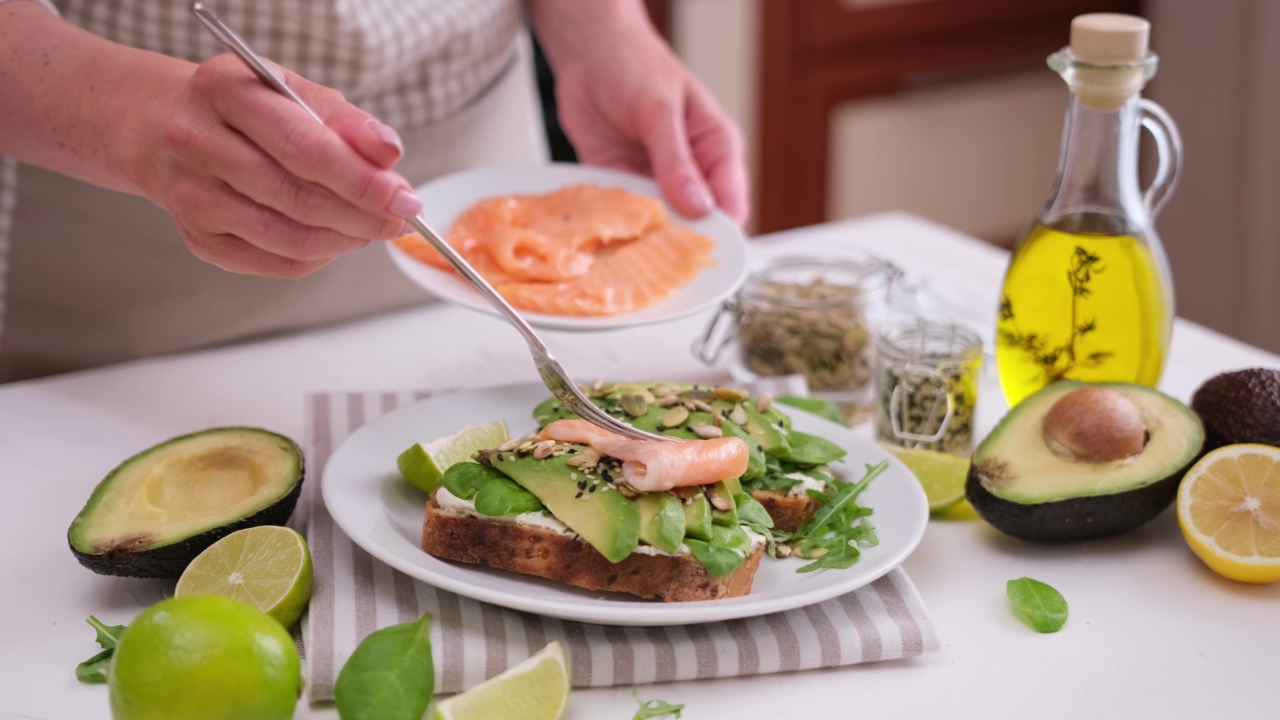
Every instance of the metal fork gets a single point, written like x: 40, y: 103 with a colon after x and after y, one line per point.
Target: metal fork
x: 553, y: 375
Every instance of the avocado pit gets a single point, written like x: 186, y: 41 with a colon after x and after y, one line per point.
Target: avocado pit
x: 1094, y: 425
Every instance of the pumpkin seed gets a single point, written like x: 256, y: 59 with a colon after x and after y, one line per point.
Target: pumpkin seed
x: 544, y: 449
x: 718, y: 499
x: 706, y: 431
x: 764, y: 401
x: 729, y: 394
x: 510, y: 445
x: 667, y: 401
x: 674, y: 417
x: 635, y: 405
x: 782, y: 551
x: 585, y: 459
x: 738, y: 415
x: 700, y: 405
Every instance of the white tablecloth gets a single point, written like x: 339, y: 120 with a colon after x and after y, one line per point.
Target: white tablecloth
x: 1152, y: 634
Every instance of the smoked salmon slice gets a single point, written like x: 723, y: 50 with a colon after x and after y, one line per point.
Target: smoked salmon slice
x: 651, y: 466
x: 623, y: 279
x: 549, y: 237
x: 583, y: 250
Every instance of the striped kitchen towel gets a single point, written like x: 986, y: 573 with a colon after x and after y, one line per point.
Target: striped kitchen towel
x: 356, y: 594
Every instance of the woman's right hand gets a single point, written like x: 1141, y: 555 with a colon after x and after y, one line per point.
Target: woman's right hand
x: 256, y: 185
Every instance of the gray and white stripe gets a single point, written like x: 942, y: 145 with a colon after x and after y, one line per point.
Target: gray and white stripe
x: 355, y: 594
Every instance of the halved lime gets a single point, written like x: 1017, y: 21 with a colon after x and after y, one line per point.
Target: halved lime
x: 424, y: 463
x: 268, y: 567
x: 536, y: 689
x: 941, y: 475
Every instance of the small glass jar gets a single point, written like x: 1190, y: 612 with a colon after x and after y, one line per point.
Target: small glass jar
x: 926, y: 379
x: 815, y: 315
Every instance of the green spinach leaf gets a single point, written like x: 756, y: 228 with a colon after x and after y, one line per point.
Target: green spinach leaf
x: 465, y: 479
x: 817, y: 406
x: 94, y: 670
x: 502, y: 496
x: 718, y: 561
x: 655, y: 708
x: 1037, y: 603
x: 812, y: 450
x: 390, y: 676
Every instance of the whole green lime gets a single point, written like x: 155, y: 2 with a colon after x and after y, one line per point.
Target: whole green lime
x: 204, y: 657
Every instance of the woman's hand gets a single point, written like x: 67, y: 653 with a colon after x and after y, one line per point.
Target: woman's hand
x: 625, y: 101
x: 253, y: 182
x: 257, y: 186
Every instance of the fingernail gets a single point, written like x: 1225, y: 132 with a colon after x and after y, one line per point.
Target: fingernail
x: 698, y: 197
x: 405, y: 204
x: 388, y: 135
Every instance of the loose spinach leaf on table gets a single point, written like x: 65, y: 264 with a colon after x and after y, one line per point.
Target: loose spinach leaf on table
x: 655, y: 708
x: 817, y: 406
x: 94, y: 670
x: 1039, y: 604
x: 390, y: 676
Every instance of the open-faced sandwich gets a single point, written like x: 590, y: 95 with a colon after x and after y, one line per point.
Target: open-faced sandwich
x: 679, y: 521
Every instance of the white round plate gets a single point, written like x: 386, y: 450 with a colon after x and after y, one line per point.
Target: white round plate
x: 383, y: 514
x: 445, y: 198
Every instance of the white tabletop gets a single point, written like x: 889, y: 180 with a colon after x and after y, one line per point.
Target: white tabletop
x: 1152, y: 633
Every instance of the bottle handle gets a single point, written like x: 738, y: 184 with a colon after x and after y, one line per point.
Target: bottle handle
x: 1168, y: 148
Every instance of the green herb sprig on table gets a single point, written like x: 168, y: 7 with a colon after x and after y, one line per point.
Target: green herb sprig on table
x: 838, y: 530
x: 1039, y: 604
x: 94, y: 670
x: 655, y: 708
x: 390, y: 676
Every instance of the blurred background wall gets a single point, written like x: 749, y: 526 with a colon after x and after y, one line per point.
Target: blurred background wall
x: 945, y: 108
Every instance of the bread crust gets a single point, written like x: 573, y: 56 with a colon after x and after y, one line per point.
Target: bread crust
x: 789, y: 512
x: 451, y: 535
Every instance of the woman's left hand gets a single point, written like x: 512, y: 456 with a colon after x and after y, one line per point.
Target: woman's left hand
x: 626, y: 102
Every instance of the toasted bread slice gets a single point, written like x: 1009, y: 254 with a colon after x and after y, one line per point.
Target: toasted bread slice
x: 452, y: 535
x: 789, y: 512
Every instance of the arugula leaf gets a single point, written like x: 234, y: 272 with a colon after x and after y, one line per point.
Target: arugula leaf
x: 108, y: 635
x: 655, y: 708
x: 817, y: 406
x: 502, y: 496
x: 838, y: 530
x: 94, y: 670
x: 717, y: 560
x: 1039, y: 604
x: 390, y: 676
x: 464, y: 479
x: 809, y: 449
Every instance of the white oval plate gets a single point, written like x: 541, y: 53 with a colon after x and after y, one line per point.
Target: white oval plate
x: 445, y: 198
x: 383, y: 514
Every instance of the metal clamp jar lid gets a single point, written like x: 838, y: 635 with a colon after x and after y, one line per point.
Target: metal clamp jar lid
x: 814, y: 314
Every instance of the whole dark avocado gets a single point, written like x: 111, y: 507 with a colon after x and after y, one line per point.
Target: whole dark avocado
x: 158, y: 510
x: 1240, y: 407
x: 1056, y: 470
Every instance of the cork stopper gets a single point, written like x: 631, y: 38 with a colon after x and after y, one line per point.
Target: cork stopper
x: 1109, y: 39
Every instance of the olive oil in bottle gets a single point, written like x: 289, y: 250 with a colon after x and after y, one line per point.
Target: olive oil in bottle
x: 1087, y: 295
x: 1081, y: 305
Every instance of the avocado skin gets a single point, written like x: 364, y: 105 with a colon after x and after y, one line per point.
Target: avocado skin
x: 1081, y: 518
x: 1240, y: 407
x: 169, y: 561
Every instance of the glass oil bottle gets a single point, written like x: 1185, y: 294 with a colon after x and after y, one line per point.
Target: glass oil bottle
x: 1088, y: 294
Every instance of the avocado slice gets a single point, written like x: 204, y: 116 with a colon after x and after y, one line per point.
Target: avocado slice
x: 151, y: 515
x: 1019, y: 484
x: 661, y: 521
x: 605, y: 518
x: 697, y: 515
x: 770, y: 436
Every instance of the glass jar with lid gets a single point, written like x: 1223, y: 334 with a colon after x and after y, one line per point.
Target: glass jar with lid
x: 816, y: 315
x: 926, y: 379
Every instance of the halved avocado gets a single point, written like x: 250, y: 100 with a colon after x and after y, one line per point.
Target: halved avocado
x: 160, y: 508
x: 1024, y: 483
